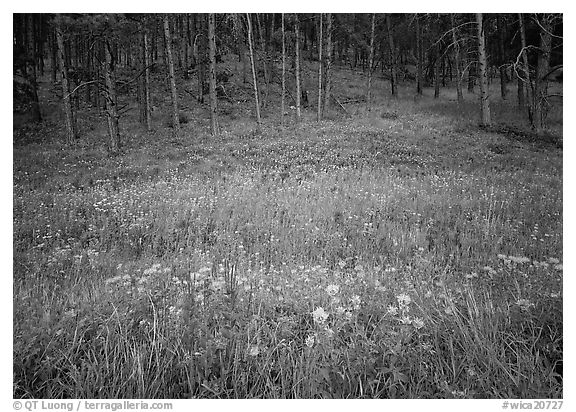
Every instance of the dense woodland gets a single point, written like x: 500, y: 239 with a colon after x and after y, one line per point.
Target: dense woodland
x: 104, y: 61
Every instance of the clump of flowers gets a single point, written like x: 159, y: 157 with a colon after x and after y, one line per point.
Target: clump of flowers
x: 332, y: 290
x: 403, y: 299
x: 524, y: 304
x: 320, y: 315
x: 254, y: 351
x: 355, y: 301
x: 309, y: 341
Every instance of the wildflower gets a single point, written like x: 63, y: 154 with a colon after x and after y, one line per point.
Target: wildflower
x: 332, y: 290
x: 254, y: 350
x: 309, y: 341
x: 403, y: 299
x: 112, y: 280
x: 558, y: 266
x: 320, y: 315
x: 355, y: 300
x: 524, y: 304
x: 392, y: 310
x: 471, y: 275
x: 406, y: 320
x: 204, y: 269
x: 218, y: 285
x: 70, y: 313
x: 554, y: 261
x: 418, y: 323
x: 501, y: 256
x: 519, y: 259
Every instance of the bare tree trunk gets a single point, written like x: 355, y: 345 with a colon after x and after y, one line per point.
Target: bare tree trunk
x: 457, y: 62
x: 69, y: 119
x: 521, y: 97
x: 147, y: 103
x: 111, y: 100
x: 542, y: 69
x: 502, y: 52
x: 298, y: 91
x: 527, y: 76
x: 282, y: 107
x: 484, y: 95
x: 170, y: 61
x: 200, y: 46
x: 30, y: 72
x: 257, y: 100
x: 54, y: 55
x: 264, y: 62
x: 185, y: 42
x: 393, y: 78
x: 212, y: 76
x: 320, y: 41
x: 328, y: 66
x: 437, y: 74
x: 419, y: 64
x: 471, y: 75
x: 370, y: 63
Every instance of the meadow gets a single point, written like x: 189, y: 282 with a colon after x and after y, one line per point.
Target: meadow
x: 401, y: 252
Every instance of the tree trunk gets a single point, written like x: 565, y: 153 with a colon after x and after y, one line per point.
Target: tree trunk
x: 298, y: 91
x: 282, y: 107
x: 484, y: 95
x: 54, y: 56
x: 147, y: 80
x: 471, y: 76
x: 457, y: 62
x: 320, y: 41
x: 437, y: 74
x: 212, y: 76
x: 521, y: 97
x: 328, y: 66
x: 252, y: 64
x: 30, y: 72
x: 185, y: 44
x: 527, y: 76
x: 370, y: 63
x: 201, y: 49
x: 502, y: 52
x: 419, y: 62
x: 170, y: 61
x: 111, y: 100
x: 393, y: 79
x: 69, y: 118
x: 542, y: 69
x: 265, y: 65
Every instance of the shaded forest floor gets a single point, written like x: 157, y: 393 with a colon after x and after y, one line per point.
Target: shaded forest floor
x: 401, y: 252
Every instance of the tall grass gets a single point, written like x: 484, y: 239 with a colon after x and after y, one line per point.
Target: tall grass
x: 404, y: 255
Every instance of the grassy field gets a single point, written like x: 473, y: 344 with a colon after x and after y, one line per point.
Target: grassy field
x: 398, y: 253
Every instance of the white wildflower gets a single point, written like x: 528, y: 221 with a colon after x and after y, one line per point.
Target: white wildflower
x: 332, y: 290
x: 309, y: 341
x: 320, y: 315
x: 417, y: 323
x: 404, y: 299
x: 392, y: 310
